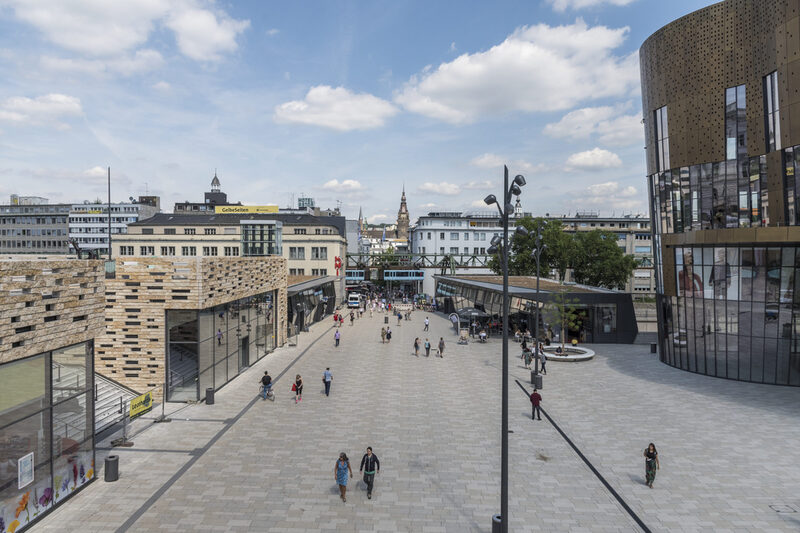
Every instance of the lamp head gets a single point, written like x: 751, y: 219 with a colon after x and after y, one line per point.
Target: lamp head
x: 509, y: 208
x: 520, y: 230
x: 519, y: 179
x: 496, y: 240
x: 489, y: 200
x: 515, y: 190
x: 492, y: 249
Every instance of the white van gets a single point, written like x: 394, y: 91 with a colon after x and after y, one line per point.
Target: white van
x: 354, y: 300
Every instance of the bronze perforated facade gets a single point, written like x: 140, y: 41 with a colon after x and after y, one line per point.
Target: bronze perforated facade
x: 721, y: 104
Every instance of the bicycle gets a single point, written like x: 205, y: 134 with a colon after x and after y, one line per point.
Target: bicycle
x: 267, y: 392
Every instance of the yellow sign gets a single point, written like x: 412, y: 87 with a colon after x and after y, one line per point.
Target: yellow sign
x: 141, y: 404
x: 88, y: 211
x: 245, y: 209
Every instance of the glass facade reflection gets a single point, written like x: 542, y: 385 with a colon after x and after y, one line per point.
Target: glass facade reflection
x: 46, y: 432
x: 310, y: 305
x: 208, y: 348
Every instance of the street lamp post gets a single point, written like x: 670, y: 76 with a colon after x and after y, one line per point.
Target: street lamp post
x: 500, y: 522
x: 537, y: 254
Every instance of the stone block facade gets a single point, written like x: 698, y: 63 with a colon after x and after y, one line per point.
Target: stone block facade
x: 48, y: 303
x: 132, y: 350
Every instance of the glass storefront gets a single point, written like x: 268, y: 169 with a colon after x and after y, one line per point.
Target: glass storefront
x: 310, y: 305
x: 736, y: 313
x: 46, y: 432
x: 210, y: 347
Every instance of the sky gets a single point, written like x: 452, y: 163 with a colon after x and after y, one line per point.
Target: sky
x: 344, y: 101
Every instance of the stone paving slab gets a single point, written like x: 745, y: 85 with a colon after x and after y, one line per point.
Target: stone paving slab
x: 725, y: 447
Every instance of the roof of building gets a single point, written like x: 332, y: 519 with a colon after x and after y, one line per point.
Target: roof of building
x: 526, y: 283
x: 211, y: 219
x: 301, y: 283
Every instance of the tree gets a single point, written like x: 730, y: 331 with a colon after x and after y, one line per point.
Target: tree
x: 598, y: 260
x: 563, y: 311
x: 557, y: 255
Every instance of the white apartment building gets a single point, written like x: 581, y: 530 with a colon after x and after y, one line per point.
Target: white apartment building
x: 88, y: 222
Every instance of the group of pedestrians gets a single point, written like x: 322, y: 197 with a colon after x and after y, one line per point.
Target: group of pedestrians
x: 427, y: 345
x: 370, y: 466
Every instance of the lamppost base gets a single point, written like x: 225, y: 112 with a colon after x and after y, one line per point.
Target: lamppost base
x: 497, y: 524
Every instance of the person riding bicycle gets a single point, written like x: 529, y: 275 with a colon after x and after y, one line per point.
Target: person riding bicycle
x: 266, y: 385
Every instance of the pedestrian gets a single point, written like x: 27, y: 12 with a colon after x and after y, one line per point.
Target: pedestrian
x: 336, y: 319
x: 371, y: 309
x: 336, y: 337
x: 340, y: 471
x: 266, y: 384
x: 427, y: 348
x: 416, y: 346
x: 543, y: 359
x: 441, y: 347
x: 528, y: 355
x: 399, y: 317
x: 341, y: 320
x: 352, y: 317
x: 219, y: 337
x: 536, y: 399
x: 327, y: 377
x: 297, y: 387
x: 370, y: 465
x: 388, y: 334
x: 383, y: 335
x: 427, y: 323
x: 650, y: 464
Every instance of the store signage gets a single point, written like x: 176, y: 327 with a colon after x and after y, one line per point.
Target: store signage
x: 25, y: 471
x: 141, y: 404
x: 245, y: 209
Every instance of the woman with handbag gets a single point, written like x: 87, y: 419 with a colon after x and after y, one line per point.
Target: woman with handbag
x: 297, y: 388
x: 340, y: 471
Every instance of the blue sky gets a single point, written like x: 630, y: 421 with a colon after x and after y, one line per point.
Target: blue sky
x: 342, y: 101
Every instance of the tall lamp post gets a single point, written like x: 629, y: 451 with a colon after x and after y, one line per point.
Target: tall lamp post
x: 500, y: 522
x: 537, y: 254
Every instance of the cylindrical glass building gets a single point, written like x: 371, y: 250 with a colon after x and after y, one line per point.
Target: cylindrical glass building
x: 721, y: 104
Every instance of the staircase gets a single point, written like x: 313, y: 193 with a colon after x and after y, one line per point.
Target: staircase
x: 182, y: 367
x: 111, y: 402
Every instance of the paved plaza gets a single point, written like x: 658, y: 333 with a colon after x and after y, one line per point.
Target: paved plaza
x: 726, y: 448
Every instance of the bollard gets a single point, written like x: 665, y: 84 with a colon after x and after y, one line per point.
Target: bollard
x: 112, y: 468
x: 537, y: 381
x: 497, y: 526
x: 653, y: 347
x: 386, y: 320
x: 210, y: 396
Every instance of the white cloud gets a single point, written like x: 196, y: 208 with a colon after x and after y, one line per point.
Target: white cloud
x: 453, y: 46
x: 205, y: 35
x: 42, y: 110
x: 428, y: 206
x: 494, y: 161
x: 563, y: 5
x: 443, y: 188
x: 479, y: 185
x: 609, y: 124
x: 273, y: 31
x: 162, y: 86
x: 343, y: 186
x: 594, y: 159
x: 611, y: 195
x: 479, y: 204
x: 127, y: 65
x: 96, y: 172
x: 537, y: 68
x: 375, y: 219
x: 110, y: 29
x: 336, y: 108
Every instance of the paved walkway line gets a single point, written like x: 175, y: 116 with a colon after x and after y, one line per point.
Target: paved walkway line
x: 175, y: 477
x: 591, y: 467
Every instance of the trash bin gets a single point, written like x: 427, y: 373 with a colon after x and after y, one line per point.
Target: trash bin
x: 112, y: 468
x: 653, y: 347
x: 386, y: 320
x: 496, y: 524
x: 537, y: 381
x: 210, y: 396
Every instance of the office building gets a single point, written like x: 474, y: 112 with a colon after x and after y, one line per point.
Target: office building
x: 34, y: 228
x: 719, y: 95
x: 88, y: 222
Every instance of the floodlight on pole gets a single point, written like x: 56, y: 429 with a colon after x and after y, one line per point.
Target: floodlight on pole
x: 489, y: 200
x: 519, y: 179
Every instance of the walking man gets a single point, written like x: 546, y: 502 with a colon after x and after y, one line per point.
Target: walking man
x: 427, y: 323
x: 327, y: 377
x: 543, y: 358
x: 536, y: 399
x: 388, y: 334
x: 336, y: 337
x: 219, y: 337
x: 441, y: 347
x: 370, y: 465
x: 383, y: 335
x: 427, y: 348
x: 352, y: 317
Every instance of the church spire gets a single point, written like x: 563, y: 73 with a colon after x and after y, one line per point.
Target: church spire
x: 403, y: 217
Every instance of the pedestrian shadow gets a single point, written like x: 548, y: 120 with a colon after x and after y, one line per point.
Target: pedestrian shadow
x: 639, y: 480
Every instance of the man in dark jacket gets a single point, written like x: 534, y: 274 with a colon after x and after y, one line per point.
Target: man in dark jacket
x: 370, y: 465
x: 536, y: 399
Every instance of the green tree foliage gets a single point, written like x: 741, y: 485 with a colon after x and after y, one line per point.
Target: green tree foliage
x: 593, y: 255
x: 599, y: 261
